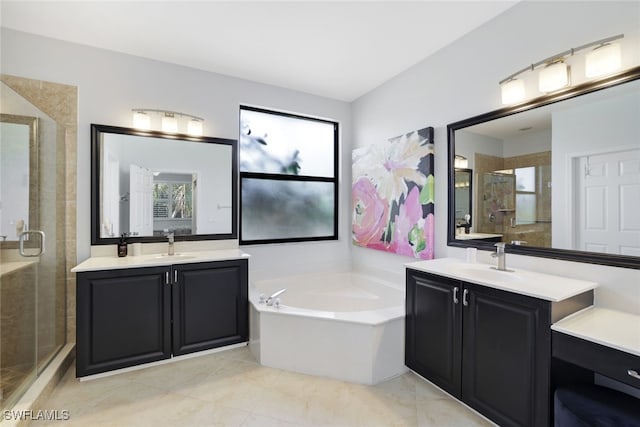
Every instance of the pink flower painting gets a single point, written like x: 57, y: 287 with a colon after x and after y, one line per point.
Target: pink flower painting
x: 392, y: 195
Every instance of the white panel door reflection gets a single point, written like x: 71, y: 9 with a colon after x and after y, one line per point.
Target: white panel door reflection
x: 608, y: 190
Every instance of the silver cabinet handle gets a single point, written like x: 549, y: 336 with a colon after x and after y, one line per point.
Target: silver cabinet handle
x: 175, y: 277
x: 465, y: 294
x: 455, y: 295
x: 633, y: 374
x: 166, y: 278
x: 21, y: 239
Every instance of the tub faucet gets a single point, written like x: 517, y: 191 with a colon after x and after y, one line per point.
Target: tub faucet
x: 272, y: 299
x: 170, y: 236
x: 501, y: 255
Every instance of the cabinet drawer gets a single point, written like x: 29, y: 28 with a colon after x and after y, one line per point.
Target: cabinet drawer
x: 595, y: 357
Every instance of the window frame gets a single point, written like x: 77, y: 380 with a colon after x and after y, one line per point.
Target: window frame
x: 292, y: 178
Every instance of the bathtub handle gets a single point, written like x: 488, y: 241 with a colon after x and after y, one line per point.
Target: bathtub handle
x: 274, y: 296
x: 465, y: 294
x: 455, y: 295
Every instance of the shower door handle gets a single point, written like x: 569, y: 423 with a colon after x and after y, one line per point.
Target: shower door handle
x: 21, y: 239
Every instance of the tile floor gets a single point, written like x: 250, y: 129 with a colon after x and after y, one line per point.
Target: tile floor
x: 230, y: 389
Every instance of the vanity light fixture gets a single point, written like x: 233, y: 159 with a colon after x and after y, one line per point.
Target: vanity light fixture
x: 141, y: 120
x: 512, y: 91
x: 553, y: 77
x: 169, y: 122
x: 194, y: 127
x: 604, y: 59
x: 555, y: 72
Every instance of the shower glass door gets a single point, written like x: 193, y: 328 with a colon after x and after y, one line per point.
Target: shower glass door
x: 32, y: 273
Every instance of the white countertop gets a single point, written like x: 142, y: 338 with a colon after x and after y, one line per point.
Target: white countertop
x: 524, y: 282
x: 154, y: 260
x: 611, y: 328
x: 470, y: 236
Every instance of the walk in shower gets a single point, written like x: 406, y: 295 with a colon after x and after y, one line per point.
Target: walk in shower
x: 33, y: 237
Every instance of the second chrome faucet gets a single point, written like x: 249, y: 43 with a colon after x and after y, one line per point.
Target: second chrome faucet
x: 170, y: 236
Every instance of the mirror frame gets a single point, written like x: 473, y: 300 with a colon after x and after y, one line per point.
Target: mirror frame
x: 34, y: 174
x: 561, y: 254
x: 96, y: 132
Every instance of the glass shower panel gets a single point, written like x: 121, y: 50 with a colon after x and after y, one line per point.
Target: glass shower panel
x: 32, y: 267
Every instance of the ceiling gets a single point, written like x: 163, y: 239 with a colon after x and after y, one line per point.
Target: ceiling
x: 335, y: 49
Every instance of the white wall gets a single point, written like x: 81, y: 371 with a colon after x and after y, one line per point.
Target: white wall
x: 527, y: 143
x: 461, y: 81
x: 111, y: 84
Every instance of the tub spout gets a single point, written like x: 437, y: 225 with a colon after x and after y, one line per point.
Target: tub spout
x: 273, y: 297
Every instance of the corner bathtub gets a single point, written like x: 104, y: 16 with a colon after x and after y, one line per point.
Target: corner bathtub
x: 348, y: 326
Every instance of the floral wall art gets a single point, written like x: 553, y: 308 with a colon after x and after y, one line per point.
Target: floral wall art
x: 392, y: 195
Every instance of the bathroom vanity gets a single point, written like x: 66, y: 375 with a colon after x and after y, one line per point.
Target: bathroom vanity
x: 141, y: 309
x: 484, y: 335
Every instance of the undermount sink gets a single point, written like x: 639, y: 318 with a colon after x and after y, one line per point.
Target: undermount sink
x: 485, y: 272
x: 163, y: 257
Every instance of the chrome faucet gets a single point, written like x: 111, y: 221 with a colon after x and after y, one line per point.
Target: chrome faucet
x: 501, y: 255
x: 170, y: 236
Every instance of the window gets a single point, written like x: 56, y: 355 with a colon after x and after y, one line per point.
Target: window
x: 526, y: 195
x: 172, y: 201
x: 288, y: 177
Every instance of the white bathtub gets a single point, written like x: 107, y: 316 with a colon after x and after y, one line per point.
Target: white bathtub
x: 348, y: 326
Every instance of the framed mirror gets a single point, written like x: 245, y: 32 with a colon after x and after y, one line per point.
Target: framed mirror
x: 147, y: 184
x: 556, y: 177
x: 19, y: 176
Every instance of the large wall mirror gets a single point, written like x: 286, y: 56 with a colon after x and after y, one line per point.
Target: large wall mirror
x: 146, y: 184
x: 557, y: 177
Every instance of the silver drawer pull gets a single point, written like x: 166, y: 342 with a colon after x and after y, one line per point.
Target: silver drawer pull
x: 465, y: 294
x: 455, y: 295
x: 633, y: 374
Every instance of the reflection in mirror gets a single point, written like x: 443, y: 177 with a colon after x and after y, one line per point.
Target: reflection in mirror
x: 463, y: 189
x: 559, y: 178
x: 148, y: 184
x: 18, y: 175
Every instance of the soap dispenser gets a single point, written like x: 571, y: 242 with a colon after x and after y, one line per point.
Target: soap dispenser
x: 122, y: 245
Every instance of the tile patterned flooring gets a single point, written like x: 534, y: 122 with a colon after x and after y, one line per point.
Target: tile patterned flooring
x: 229, y: 388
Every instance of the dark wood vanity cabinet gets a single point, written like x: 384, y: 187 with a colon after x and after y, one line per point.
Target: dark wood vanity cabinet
x: 487, y: 347
x: 123, y: 318
x: 209, y: 305
x: 126, y: 317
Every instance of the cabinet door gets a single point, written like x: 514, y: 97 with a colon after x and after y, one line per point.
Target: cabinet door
x: 506, y: 351
x: 433, y: 329
x: 123, y: 318
x: 209, y: 305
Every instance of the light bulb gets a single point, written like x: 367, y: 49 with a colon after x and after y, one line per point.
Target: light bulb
x: 141, y: 120
x: 603, y: 60
x: 169, y: 123
x: 194, y: 127
x: 553, y: 77
x: 512, y: 91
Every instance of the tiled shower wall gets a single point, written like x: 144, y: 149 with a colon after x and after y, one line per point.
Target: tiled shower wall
x: 538, y: 234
